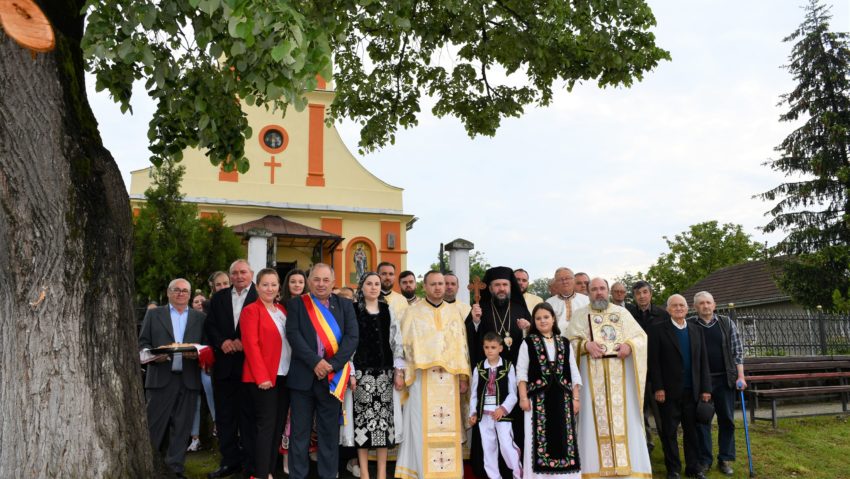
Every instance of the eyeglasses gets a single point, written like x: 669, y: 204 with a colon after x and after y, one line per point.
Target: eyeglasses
x: 179, y: 291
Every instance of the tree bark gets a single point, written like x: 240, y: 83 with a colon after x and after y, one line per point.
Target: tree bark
x: 71, y: 402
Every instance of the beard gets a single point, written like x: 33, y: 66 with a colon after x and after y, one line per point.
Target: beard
x: 449, y: 297
x: 387, y: 286
x: 599, y: 304
x: 501, y: 302
x: 408, y: 294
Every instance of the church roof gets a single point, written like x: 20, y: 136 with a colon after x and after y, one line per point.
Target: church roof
x: 745, y: 284
x: 298, y: 234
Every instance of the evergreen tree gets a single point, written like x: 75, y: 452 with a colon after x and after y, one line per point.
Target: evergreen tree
x: 171, y: 241
x: 814, y: 208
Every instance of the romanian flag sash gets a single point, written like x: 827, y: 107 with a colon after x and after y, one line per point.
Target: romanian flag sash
x: 330, y: 335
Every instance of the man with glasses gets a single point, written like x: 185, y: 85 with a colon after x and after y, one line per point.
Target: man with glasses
x: 172, y: 383
x: 582, y: 283
x: 566, y: 300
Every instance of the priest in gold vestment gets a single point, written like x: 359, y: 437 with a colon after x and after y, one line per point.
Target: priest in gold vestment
x: 611, y: 351
x: 436, y: 375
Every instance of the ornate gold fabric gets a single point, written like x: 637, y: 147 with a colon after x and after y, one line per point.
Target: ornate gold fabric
x: 607, y: 382
x: 434, y: 336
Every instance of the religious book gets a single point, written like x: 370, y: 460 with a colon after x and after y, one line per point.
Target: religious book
x: 606, y: 329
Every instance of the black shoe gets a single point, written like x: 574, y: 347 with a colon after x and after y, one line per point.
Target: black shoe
x: 180, y: 475
x: 224, y: 471
x: 697, y: 475
x: 674, y: 475
x: 725, y: 467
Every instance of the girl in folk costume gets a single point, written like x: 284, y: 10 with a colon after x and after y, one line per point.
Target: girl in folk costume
x: 379, y: 352
x: 549, y: 384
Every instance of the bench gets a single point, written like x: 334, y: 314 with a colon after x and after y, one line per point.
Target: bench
x: 773, y: 379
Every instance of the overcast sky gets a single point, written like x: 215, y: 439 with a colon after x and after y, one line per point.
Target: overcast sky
x: 596, y: 180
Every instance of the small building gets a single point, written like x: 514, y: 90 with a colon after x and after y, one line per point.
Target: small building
x: 305, y: 199
x: 749, y: 286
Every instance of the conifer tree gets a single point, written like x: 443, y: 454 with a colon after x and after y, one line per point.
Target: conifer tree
x: 814, y: 206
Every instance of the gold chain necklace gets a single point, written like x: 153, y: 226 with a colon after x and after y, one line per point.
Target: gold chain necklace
x: 503, y: 326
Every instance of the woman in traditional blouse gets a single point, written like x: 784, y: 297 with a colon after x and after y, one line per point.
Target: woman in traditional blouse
x: 548, y: 382
x: 378, y: 353
x: 267, y: 357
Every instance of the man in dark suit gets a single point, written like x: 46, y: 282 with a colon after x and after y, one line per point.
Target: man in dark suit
x: 234, y: 416
x: 678, y: 367
x: 647, y: 314
x: 308, y: 374
x: 173, y: 382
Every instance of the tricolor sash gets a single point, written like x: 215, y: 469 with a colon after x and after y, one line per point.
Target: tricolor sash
x: 330, y: 335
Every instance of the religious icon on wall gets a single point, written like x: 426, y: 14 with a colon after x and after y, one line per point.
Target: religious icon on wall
x: 360, y: 262
x: 607, y: 331
x: 273, y: 139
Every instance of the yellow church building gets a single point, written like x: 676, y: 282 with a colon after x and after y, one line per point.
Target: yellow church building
x: 305, y: 199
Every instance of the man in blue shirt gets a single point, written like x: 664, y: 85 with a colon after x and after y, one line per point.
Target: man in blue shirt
x: 172, y: 382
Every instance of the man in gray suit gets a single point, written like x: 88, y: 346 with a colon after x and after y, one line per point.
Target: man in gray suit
x: 309, y: 369
x: 173, y: 381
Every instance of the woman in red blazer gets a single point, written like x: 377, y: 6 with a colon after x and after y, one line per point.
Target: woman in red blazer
x: 267, y: 355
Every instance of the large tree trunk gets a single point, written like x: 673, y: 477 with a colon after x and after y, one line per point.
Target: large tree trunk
x: 71, y: 402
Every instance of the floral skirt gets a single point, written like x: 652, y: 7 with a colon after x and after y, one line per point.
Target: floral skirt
x: 373, y: 409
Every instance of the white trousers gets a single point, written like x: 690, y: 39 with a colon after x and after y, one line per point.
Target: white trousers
x: 498, y: 437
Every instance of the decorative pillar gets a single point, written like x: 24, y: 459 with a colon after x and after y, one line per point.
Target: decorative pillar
x: 258, y: 248
x: 459, y: 265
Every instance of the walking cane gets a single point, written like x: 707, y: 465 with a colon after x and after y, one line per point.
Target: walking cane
x: 746, y: 428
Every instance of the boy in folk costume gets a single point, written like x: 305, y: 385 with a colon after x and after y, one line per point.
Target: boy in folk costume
x: 493, y: 396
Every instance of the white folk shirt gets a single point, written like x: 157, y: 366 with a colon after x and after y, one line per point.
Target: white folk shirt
x: 510, y: 399
x: 237, y: 300
x: 577, y: 301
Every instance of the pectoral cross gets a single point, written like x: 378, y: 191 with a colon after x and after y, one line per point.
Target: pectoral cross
x: 475, y: 287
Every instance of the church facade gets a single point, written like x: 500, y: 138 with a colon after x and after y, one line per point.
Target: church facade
x: 305, y: 198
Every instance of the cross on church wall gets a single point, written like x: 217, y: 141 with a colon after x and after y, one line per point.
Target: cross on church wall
x: 272, y: 165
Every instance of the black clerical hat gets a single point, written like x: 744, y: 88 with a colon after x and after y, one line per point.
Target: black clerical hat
x: 499, y: 272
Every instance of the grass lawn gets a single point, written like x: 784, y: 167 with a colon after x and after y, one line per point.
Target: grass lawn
x: 809, y: 447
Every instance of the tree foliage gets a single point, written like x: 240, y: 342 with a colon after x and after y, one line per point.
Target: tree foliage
x: 540, y: 287
x: 171, y: 241
x: 479, y: 61
x: 696, y: 253
x: 814, y: 208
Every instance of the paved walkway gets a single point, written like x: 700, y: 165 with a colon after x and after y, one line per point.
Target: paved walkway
x: 784, y: 410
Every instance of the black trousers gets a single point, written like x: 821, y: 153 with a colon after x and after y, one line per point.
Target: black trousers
x: 326, y: 407
x: 651, y: 407
x: 172, y: 405
x: 235, y: 422
x: 673, y: 412
x: 270, y: 408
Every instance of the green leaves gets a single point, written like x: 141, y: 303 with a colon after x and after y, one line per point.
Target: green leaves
x: 479, y: 61
x: 698, y: 252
